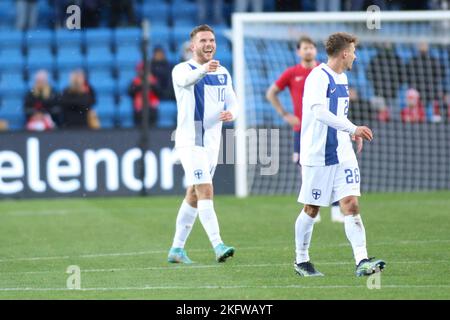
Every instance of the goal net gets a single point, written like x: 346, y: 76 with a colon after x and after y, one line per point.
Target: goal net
x: 399, y: 86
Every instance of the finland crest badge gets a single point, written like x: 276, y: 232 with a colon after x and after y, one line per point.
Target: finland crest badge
x: 221, y: 78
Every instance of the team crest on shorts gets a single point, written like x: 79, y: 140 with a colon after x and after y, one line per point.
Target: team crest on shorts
x: 198, y: 174
x: 316, y: 193
x: 221, y: 78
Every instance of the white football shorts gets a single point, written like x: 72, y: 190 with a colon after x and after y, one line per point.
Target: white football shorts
x: 324, y: 185
x: 199, y: 164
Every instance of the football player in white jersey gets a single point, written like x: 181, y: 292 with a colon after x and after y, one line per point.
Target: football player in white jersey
x: 205, y: 99
x: 330, y: 170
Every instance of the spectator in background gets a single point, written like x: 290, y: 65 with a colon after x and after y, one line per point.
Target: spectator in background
x: 91, y: 13
x: 135, y: 91
x: 203, y: 8
x: 41, y: 110
x: 243, y: 5
x: 76, y: 103
x: 162, y: 70
x: 120, y: 8
x: 414, y: 112
x: 186, y: 52
x: 386, y: 71
x: 328, y: 5
x: 426, y: 74
x: 360, y: 110
x: 26, y: 14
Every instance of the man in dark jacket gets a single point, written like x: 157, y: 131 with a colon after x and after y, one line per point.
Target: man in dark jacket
x: 160, y: 67
x: 77, y: 101
x: 386, y: 71
x: 426, y: 75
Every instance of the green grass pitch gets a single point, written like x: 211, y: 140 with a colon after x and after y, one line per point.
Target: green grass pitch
x: 121, y: 244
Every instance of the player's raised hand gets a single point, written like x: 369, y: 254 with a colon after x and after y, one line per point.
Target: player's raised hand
x: 211, y: 66
x: 226, y: 116
x: 364, y: 132
x: 291, y: 119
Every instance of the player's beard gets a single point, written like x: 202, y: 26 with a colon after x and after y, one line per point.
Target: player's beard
x: 206, y: 57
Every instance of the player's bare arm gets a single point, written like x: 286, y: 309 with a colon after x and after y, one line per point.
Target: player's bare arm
x: 272, y: 97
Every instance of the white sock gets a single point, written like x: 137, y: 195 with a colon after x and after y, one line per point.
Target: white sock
x: 356, y: 234
x: 303, y: 232
x: 208, y: 218
x: 185, y: 220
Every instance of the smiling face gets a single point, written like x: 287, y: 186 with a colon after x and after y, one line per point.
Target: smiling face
x: 349, y: 56
x: 203, y: 46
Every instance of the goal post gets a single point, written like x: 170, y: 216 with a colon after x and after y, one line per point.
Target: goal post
x: 264, y: 45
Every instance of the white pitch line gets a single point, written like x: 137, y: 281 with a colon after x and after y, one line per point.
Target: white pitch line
x: 216, y: 266
x: 216, y: 287
x: 269, y: 246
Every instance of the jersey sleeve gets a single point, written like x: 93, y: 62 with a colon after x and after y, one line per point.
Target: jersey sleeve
x: 231, y: 102
x: 184, y: 76
x: 316, y: 86
x: 284, y: 79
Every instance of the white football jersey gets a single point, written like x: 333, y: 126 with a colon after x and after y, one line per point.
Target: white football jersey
x: 322, y: 145
x: 200, y: 98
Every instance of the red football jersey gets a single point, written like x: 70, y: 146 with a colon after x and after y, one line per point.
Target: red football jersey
x: 294, y: 78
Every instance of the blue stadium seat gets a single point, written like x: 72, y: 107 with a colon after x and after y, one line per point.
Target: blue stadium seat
x: 157, y: 12
x: 180, y: 35
x: 39, y: 58
x: 39, y: 38
x: 99, y: 37
x: 125, y: 78
x: 102, y: 84
x: 126, y: 112
x: 184, y: 8
x: 128, y: 56
x: 69, y: 58
x: 160, y: 36
x: 128, y: 36
x: 11, y: 110
x: 106, y: 110
x: 68, y: 38
x: 11, y: 39
x: 7, y: 15
x: 12, y: 85
x: 167, y: 114
x: 11, y: 59
x: 99, y: 57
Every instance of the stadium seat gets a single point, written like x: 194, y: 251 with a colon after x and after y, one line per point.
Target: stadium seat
x: 156, y: 12
x: 99, y: 57
x: 160, y: 36
x: 12, y: 59
x: 102, y: 84
x: 99, y: 37
x: 128, y: 56
x: 68, y: 38
x: 128, y: 36
x: 39, y: 58
x: 69, y: 58
x: 12, y: 85
x: 11, y: 110
x: 106, y: 110
x: 126, y: 112
x: 11, y: 39
x: 39, y: 39
x: 125, y: 78
x: 167, y: 114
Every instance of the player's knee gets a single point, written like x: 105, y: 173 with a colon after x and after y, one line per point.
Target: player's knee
x: 191, y: 197
x: 311, y: 211
x: 204, y: 191
x: 350, y: 205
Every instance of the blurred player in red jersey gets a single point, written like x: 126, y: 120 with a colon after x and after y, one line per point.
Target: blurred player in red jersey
x: 294, y: 78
